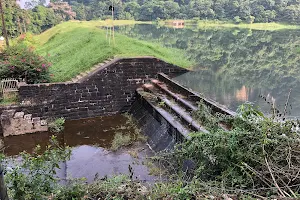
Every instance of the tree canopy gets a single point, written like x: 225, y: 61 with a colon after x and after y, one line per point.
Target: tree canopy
x: 36, y: 18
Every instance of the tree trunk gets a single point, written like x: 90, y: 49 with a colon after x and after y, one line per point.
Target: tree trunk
x: 19, y: 25
x: 3, y: 190
x: 3, y: 25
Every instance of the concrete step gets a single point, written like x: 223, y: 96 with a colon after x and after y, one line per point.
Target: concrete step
x: 182, y: 100
x: 151, y: 102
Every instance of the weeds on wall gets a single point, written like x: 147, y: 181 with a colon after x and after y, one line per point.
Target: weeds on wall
x: 9, y: 98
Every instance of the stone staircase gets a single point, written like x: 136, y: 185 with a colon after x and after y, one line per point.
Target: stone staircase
x: 176, y: 104
x: 18, y: 123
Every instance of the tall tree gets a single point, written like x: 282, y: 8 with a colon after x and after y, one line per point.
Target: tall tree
x: 4, y: 25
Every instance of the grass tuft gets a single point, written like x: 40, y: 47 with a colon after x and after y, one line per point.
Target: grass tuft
x: 120, y: 140
x: 9, y: 98
x: 129, y: 134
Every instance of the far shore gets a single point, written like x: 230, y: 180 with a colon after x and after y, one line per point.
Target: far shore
x: 208, y: 24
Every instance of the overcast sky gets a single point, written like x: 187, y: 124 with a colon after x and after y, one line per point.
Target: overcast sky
x: 22, y: 2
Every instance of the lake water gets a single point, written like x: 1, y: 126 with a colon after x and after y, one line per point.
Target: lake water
x: 235, y: 65
x: 90, y: 140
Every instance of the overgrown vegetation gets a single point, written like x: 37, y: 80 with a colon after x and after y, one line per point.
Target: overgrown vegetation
x: 57, y: 125
x: 120, y: 139
x: 256, y: 155
x: 127, y: 134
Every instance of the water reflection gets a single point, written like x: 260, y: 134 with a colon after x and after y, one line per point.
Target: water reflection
x: 235, y: 65
x: 90, y: 140
x: 97, y: 131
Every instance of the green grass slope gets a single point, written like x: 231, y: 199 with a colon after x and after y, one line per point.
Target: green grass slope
x: 74, y: 47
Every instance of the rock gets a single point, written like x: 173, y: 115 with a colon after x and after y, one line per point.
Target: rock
x: 43, y: 122
x: 142, y: 189
x: 19, y: 115
x: 9, y: 113
x: 28, y: 117
x: 36, y: 120
x: 225, y: 197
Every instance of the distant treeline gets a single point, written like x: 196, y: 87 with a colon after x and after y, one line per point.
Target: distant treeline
x: 36, y: 19
x: 249, y: 11
x: 39, y: 18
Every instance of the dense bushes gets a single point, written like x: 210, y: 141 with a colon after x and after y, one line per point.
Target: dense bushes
x: 257, y: 154
x: 21, y: 62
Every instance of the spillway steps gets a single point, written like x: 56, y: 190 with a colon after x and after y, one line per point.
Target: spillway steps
x: 176, y: 104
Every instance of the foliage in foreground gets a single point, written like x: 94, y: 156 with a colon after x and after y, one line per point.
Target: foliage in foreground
x: 34, y: 176
x: 257, y: 154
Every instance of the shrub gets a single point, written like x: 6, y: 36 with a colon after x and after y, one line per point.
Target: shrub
x: 237, y: 20
x: 26, y: 39
x: 57, y: 125
x: 21, y: 62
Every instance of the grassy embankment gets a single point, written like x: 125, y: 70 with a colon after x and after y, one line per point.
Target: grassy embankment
x: 74, y: 47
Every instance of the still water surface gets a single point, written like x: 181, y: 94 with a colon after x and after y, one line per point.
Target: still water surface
x: 235, y: 65
x: 90, y: 140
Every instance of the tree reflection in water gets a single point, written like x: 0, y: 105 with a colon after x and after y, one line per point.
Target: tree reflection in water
x: 235, y: 65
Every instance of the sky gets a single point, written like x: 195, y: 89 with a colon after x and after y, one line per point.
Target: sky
x: 22, y: 2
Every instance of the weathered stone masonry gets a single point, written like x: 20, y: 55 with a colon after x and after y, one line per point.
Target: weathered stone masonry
x: 108, y: 90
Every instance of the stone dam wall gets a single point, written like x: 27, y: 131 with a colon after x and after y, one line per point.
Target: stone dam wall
x: 108, y: 89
